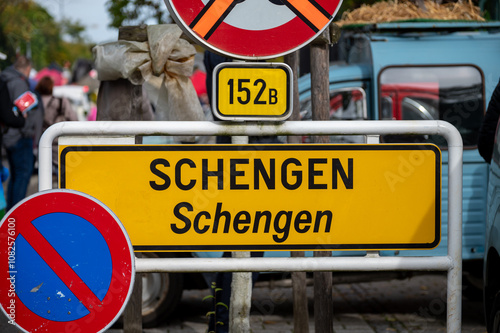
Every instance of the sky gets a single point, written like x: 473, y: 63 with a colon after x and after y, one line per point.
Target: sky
x: 90, y: 13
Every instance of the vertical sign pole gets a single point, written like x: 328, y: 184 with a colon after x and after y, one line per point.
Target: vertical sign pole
x: 241, y: 285
x: 323, y: 299
x: 292, y: 60
x: 132, y: 316
x: 320, y: 98
x: 241, y: 296
x: 122, y: 90
x: 300, y: 310
x: 320, y: 93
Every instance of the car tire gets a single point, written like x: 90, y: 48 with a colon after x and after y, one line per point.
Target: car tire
x: 493, y: 324
x: 161, y: 293
x: 472, y: 287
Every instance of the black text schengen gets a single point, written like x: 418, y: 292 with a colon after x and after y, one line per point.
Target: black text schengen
x: 240, y: 174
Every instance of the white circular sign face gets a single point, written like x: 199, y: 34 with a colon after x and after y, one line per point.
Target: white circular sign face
x: 261, y: 15
x: 253, y: 29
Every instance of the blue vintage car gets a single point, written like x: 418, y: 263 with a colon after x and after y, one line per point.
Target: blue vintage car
x: 423, y: 71
x: 400, y: 71
x: 492, y: 257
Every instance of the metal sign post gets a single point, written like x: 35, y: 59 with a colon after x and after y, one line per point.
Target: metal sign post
x: 451, y: 263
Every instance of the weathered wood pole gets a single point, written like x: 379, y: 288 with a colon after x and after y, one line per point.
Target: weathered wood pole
x: 120, y: 99
x: 292, y: 60
x: 300, y: 308
x: 132, y: 316
x: 320, y: 93
x: 323, y: 299
x: 320, y: 101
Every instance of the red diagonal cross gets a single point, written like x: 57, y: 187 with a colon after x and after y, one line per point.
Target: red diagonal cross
x: 62, y: 269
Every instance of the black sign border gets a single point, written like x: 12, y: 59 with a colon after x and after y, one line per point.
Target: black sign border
x: 284, y: 147
x: 289, y: 89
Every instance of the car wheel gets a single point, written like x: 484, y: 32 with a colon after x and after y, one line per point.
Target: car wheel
x: 494, y: 318
x: 161, y: 293
x: 472, y: 287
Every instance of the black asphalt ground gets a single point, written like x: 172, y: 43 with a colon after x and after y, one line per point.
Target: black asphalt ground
x: 411, y: 305
x: 416, y: 304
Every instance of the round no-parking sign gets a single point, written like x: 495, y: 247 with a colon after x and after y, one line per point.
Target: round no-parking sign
x: 253, y: 29
x: 66, y: 264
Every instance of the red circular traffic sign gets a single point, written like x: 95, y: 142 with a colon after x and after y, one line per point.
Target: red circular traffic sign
x: 253, y: 29
x: 66, y: 264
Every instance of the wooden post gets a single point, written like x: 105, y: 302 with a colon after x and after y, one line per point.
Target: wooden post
x: 135, y: 33
x: 320, y: 100
x: 300, y: 309
x: 132, y: 316
x: 132, y: 96
x: 120, y: 99
x: 292, y: 60
x: 320, y: 93
x: 323, y: 299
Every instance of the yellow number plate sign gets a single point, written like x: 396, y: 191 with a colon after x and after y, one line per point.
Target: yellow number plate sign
x: 264, y: 197
x: 252, y: 91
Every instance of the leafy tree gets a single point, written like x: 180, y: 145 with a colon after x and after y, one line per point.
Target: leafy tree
x: 27, y: 28
x: 136, y: 12
x: 75, y: 30
x: 21, y: 23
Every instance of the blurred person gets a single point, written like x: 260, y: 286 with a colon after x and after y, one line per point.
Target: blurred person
x: 4, y: 175
x: 81, y: 69
x: 66, y: 72
x: 8, y: 117
x: 12, y: 119
x: 56, y: 109
x: 20, y: 143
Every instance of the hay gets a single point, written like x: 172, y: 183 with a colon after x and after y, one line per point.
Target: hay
x: 391, y: 11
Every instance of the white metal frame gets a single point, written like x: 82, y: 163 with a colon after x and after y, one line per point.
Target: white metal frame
x: 452, y: 262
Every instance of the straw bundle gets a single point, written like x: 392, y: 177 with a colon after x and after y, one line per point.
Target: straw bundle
x: 391, y: 11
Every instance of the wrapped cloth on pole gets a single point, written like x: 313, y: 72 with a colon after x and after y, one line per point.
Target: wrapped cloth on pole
x: 166, y: 56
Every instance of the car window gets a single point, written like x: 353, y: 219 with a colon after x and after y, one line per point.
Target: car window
x: 450, y: 93
x: 419, y: 109
x: 345, y: 104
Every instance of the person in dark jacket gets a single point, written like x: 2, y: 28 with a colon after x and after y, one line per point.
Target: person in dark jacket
x: 20, y: 142
x: 8, y: 118
x: 486, y: 138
